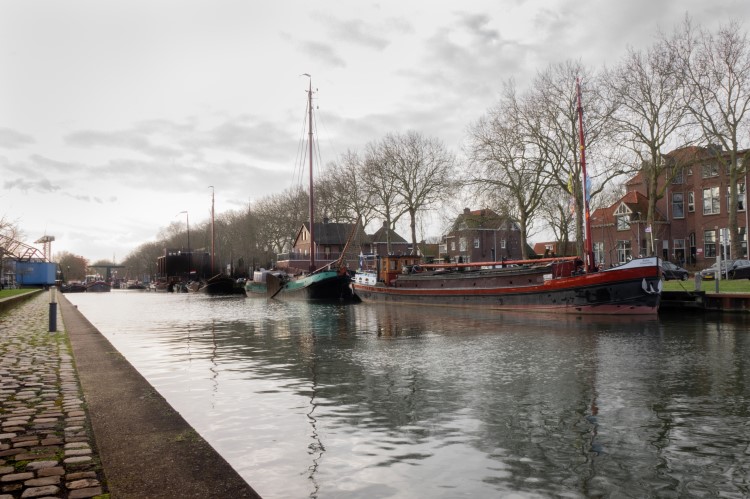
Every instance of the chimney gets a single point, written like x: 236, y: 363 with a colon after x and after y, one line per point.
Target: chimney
x: 467, y: 211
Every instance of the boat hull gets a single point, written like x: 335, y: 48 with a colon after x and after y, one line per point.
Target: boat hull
x: 326, y: 286
x: 98, y: 287
x: 256, y: 289
x: 219, y: 286
x: 633, y: 289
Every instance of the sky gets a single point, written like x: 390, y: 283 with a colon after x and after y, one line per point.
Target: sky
x: 117, y: 116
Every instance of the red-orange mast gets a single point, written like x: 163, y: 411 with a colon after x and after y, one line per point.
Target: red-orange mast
x: 589, y: 249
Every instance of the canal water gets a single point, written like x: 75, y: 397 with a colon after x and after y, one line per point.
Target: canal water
x: 364, y: 401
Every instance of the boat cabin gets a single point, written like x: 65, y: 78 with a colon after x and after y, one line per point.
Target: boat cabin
x: 387, y: 268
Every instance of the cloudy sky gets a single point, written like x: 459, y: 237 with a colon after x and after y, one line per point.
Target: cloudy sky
x: 117, y: 115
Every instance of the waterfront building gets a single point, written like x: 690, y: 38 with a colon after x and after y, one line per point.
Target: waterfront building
x: 691, y: 219
x: 482, y: 235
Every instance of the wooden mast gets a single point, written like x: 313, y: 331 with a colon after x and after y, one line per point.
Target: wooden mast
x: 589, y: 249
x: 310, y: 152
x: 213, y: 237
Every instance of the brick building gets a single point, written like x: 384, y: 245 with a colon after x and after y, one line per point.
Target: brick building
x: 690, y: 219
x: 481, y: 236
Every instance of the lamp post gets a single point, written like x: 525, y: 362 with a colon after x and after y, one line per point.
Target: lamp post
x: 187, y: 224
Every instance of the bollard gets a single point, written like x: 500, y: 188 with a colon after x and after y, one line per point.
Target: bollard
x: 698, y: 279
x: 52, y: 310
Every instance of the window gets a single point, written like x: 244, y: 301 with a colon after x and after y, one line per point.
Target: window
x: 453, y: 245
x: 743, y: 242
x: 599, y: 253
x: 709, y: 243
x: 502, y: 244
x: 678, y: 177
x: 740, y: 197
x: 691, y: 201
x: 710, y: 170
x: 462, y: 244
x: 476, y: 242
x: 623, y: 251
x: 711, y: 203
x: 622, y: 214
x: 679, y: 251
x: 678, y: 205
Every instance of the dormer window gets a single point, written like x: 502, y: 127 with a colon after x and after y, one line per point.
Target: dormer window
x: 622, y: 215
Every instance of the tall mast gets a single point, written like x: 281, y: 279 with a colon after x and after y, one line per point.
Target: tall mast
x: 212, y: 229
x: 310, y: 152
x: 589, y: 250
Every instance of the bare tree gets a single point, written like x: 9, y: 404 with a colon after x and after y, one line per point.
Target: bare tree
x: 422, y: 170
x: 553, y: 126
x: 556, y: 213
x: 341, y: 187
x: 716, y: 69
x: 648, y: 88
x: 381, y: 187
x: 505, y: 162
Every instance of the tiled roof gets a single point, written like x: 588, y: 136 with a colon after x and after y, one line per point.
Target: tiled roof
x: 333, y: 233
x: 381, y: 235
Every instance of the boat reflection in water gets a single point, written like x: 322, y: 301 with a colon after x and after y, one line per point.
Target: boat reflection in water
x: 367, y: 400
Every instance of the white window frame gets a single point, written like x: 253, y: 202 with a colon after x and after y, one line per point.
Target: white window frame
x: 678, y: 204
x: 712, y: 202
x: 709, y: 243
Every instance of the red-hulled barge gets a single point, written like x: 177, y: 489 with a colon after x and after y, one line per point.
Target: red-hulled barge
x: 546, y: 285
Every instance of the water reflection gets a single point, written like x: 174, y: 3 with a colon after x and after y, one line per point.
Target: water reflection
x: 376, y: 401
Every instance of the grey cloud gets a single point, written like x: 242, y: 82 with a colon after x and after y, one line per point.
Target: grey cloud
x: 357, y: 32
x: 42, y: 185
x: 51, y: 164
x: 133, y: 140
x: 323, y: 52
x: 11, y: 139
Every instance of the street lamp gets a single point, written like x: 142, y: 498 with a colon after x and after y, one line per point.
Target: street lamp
x: 187, y: 224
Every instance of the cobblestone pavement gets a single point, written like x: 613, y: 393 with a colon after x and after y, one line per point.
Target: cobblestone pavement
x: 46, y: 447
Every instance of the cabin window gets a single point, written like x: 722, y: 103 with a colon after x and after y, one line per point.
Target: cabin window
x: 691, y: 201
x: 711, y: 201
x: 476, y: 242
x: 709, y: 243
x: 678, y: 205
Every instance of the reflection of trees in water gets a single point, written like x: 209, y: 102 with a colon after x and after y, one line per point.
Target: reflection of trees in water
x: 560, y: 403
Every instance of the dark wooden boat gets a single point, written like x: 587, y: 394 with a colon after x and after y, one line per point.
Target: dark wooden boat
x: 98, y: 287
x: 221, y: 284
x: 550, y: 285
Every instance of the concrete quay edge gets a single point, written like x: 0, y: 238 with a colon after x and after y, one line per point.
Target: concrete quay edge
x: 79, y: 421
x: 147, y: 449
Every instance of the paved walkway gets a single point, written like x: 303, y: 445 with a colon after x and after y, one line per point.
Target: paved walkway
x: 46, y: 449
x: 77, y: 420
